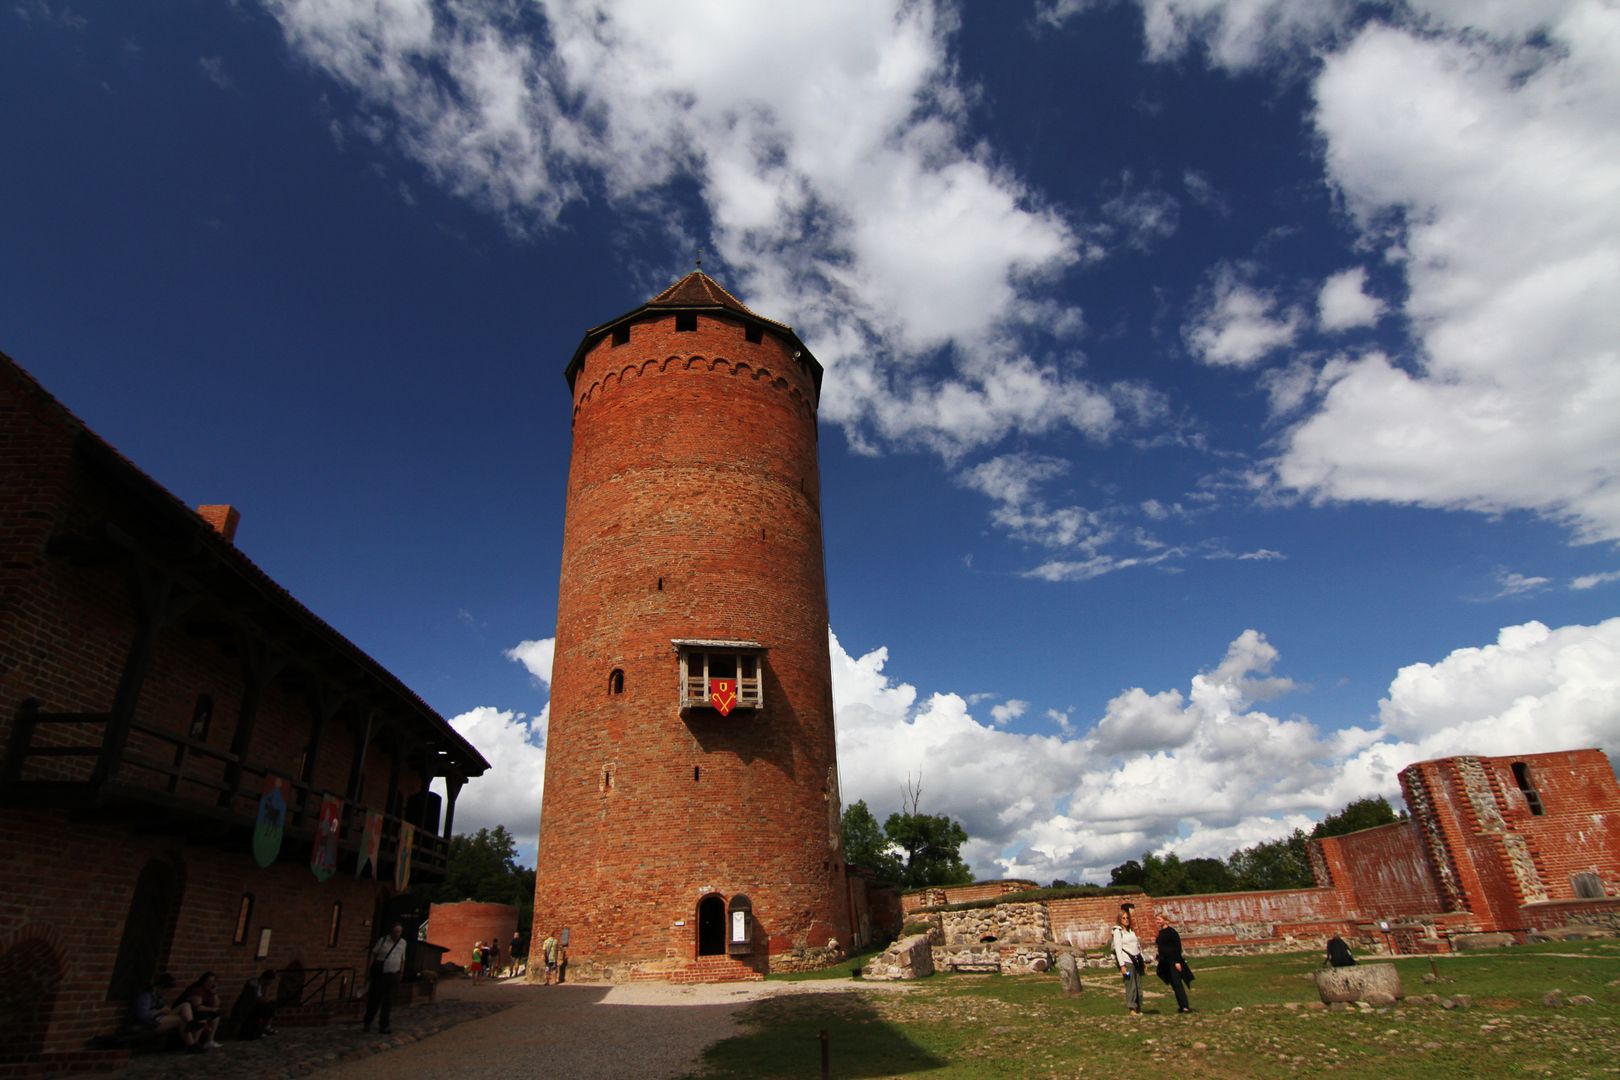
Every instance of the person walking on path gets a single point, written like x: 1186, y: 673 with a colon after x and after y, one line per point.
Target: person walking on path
x: 492, y: 959
x: 387, y: 962
x: 1172, y: 965
x: 548, y: 952
x: 1128, y: 955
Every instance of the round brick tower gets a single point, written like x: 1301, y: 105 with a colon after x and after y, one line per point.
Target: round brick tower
x: 690, y: 824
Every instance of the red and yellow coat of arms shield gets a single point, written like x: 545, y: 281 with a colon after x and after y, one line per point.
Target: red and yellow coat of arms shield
x: 723, y: 695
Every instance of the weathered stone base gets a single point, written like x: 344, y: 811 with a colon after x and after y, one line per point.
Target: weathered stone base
x: 1373, y: 983
x: 909, y: 958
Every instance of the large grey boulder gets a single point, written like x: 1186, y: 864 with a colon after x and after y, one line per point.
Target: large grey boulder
x: 1069, y: 974
x: 1355, y: 983
x: 909, y: 958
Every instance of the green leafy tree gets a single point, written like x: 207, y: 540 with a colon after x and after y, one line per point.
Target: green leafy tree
x: 1129, y: 872
x: 1168, y: 875
x: 933, y: 844
x: 1273, y: 864
x: 865, y: 845
x: 912, y: 848
x: 484, y: 867
x: 1361, y: 814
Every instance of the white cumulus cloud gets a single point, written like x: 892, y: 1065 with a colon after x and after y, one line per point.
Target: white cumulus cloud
x: 847, y: 197
x: 1236, y: 324
x: 1204, y: 770
x: 1343, y: 302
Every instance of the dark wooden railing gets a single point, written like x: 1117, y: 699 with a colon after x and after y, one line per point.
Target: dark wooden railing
x: 310, y: 986
x: 63, y: 758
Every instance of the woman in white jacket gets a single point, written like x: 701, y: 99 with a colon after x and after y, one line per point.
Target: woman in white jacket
x: 1128, y: 955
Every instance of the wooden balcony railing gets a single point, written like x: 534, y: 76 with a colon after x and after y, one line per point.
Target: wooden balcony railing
x: 67, y: 760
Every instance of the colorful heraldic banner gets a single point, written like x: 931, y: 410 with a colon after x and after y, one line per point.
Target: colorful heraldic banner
x: 323, y: 856
x: 402, y: 857
x: 723, y: 695
x: 370, y: 845
x: 272, y: 820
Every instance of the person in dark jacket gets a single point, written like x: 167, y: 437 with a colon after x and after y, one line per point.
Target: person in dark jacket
x: 1338, y: 953
x: 1172, y: 967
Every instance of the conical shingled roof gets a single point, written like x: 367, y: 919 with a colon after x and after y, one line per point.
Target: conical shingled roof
x: 696, y: 291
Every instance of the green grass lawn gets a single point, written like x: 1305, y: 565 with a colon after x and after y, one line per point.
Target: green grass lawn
x: 1251, y: 1020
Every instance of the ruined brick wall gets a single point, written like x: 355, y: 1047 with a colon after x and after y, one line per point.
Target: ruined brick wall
x: 1557, y: 913
x: 693, y: 513
x: 1085, y: 922
x: 1492, y: 852
x: 937, y: 895
x: 1382, y: 872
x: 461, y: 925
x: 1246, y: 918
x: 1578, y: 830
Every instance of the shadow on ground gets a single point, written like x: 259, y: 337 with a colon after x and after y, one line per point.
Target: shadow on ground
x: 786, y: 1041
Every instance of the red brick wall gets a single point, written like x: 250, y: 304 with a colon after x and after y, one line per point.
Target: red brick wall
x: 694, y: 463
x: 1382, y: 872
x: 71, y: 883
x: 1579, y: 828
x: 459, y: 926
x: 962, y: 894
x: 1557, y: 913
x: 1212, y: 912
x: 1503, y: 855
x: 1085, y: 921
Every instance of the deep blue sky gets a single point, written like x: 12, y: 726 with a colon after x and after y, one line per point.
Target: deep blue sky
x: 327, y: 264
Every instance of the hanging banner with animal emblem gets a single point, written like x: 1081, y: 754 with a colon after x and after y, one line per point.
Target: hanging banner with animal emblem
x: 370, y: 845
x: 323, y: 855
x: 723, y: 695
x: 402, y: 857
x: 271, y: 823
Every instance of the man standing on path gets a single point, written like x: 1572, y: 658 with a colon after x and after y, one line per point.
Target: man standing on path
x: 1173, y: 967
x: 387, y: 961
x: 549, y: 952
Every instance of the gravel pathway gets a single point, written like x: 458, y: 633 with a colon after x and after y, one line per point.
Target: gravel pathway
x: 508, y: 1029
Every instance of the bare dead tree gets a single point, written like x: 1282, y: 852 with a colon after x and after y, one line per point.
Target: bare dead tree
x: 911, y: 795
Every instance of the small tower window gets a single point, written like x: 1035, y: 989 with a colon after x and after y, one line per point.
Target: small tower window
x: 1521, y: 776
x: 616, y: 681
x: 685, y: 321
x: 621, y: 335
x: 753, y: 335
x: 337, y: 923
x: 607, y: 778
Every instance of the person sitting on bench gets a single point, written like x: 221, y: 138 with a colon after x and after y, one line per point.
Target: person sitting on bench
x: 198, y: 1006
x: 255, y: 1008
x: 147, y: 1013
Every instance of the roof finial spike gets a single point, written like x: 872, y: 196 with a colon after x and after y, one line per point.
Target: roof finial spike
x: 700, y: 258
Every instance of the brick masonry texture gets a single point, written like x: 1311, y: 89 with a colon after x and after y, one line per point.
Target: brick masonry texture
x: 692, y: 513
x: 459, y: 926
